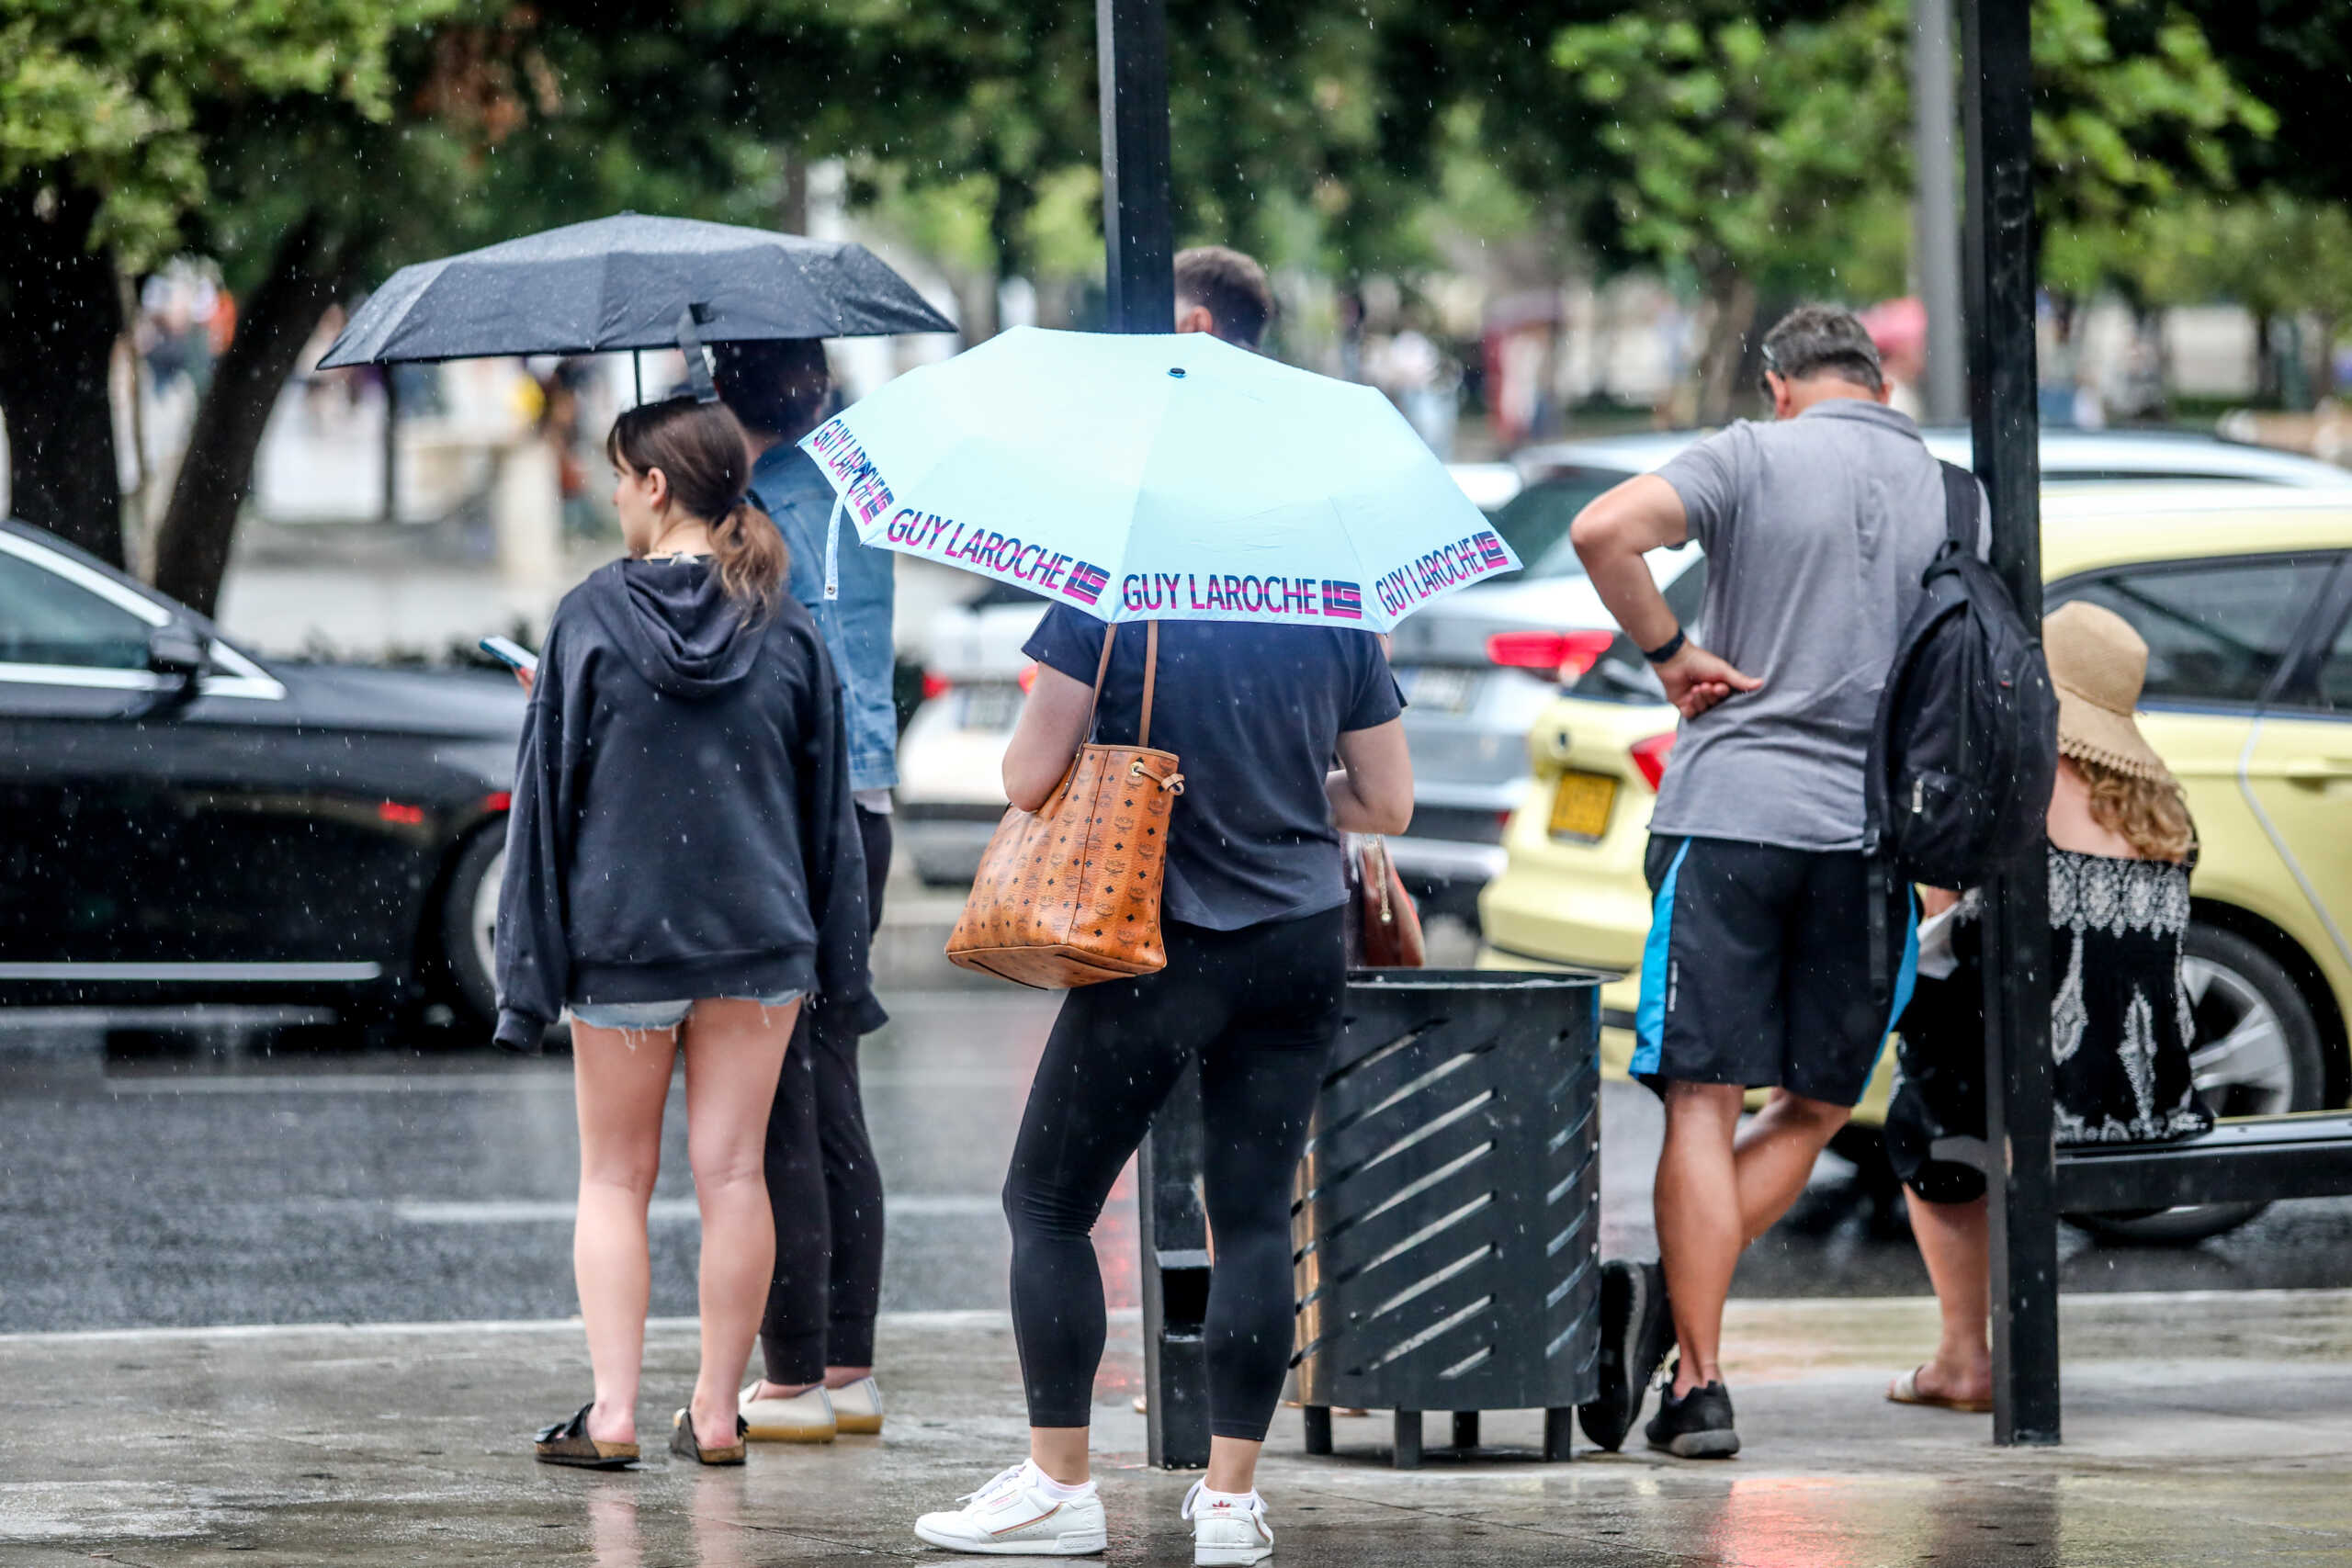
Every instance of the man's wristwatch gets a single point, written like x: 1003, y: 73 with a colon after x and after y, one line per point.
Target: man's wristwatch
x: 1665, y: 649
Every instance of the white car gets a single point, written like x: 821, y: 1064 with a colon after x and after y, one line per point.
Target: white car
x: 950, y: 796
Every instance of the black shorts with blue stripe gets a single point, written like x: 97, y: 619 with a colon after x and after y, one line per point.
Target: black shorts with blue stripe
x: 1758, y: 968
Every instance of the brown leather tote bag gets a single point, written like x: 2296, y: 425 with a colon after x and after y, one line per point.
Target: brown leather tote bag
x: 1069, y: 894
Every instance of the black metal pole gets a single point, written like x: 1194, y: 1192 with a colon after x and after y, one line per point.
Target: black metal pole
x: 1139, y: 244
x: 1997, y: 112
x: 1138, y: 219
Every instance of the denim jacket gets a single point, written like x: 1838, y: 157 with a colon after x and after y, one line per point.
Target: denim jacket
x: 857, y: 626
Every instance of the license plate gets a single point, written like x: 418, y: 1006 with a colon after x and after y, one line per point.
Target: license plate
x: 1439, y: 688
x: 991, y: 706
x: 1580, y: 804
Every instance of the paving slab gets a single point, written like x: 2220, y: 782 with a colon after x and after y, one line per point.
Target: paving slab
x: 2201, y: 1428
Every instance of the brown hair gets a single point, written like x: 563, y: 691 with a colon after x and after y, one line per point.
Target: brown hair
x: 700, y: 450
x: 2149, y: 813
x: 1232, y: 287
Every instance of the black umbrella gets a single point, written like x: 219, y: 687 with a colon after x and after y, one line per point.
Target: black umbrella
x: 631, y: 282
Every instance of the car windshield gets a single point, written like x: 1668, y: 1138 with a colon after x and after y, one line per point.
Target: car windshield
x: 1535, y: 524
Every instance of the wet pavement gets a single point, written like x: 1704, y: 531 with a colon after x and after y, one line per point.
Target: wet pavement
x: 193, y: 1180
x: 2201, y: 1429
x: 393, y: 1227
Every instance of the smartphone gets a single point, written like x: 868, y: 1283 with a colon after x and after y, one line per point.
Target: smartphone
x: 508, y: 652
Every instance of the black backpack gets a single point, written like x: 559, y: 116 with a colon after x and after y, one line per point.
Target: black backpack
x: 1964, y: 752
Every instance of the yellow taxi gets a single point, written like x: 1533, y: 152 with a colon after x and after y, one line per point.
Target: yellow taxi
x: 2243, y: 594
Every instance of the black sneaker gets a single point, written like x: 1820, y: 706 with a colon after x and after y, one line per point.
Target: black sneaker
x: 1636, y: 1331
x: 1697, y: 1425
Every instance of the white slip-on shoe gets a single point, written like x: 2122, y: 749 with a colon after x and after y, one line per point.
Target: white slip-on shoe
x: 1016, y: 1516
x: 804, y: 1418
x: 857, y: 1408
x: 1227, y: 1530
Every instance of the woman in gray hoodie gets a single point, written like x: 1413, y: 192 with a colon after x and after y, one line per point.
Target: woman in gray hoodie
x: 683, y: 871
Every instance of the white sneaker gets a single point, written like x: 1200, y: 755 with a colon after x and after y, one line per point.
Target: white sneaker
x: 1017, y: 1515
x: 857, y: 1408
x: 805, y: 1417
x: 1227, y: 1530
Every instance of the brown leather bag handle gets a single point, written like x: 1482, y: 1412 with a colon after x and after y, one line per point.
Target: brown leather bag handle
x: 1150, y: 680
x: 1150, y: 675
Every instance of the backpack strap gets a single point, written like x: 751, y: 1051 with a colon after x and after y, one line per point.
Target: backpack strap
x: 1963, y: 510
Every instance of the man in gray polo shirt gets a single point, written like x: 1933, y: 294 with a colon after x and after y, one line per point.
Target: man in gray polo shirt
x: 1758, y: 971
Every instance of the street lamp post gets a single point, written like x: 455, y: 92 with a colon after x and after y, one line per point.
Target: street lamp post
x: 1139, y: 233
x: 2022, y: 1176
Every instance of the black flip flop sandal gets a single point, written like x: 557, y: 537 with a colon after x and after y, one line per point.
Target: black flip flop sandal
x: 685, y: 1445
x: 568, y: 1442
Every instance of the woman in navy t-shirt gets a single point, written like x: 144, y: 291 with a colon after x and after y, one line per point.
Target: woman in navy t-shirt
x: 1252, y: 917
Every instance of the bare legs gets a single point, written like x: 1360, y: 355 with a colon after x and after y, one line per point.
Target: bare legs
x: 620, y: 1079
x: 734, y: 1054
x: 1953, y: 1239
x: 1708, y: 1158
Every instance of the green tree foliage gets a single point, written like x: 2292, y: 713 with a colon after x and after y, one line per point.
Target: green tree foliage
x: 111, y: 97
x: 102, y: 155
x: 1778, y: 155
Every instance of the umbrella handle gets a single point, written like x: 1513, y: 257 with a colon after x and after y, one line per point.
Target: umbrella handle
x: 833, y: 546
x: 697, y: 369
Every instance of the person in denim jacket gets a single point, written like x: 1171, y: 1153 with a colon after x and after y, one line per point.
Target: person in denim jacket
x: 817, y: 1337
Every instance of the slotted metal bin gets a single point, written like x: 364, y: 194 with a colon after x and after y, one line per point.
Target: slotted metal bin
x: 1446, y: 1221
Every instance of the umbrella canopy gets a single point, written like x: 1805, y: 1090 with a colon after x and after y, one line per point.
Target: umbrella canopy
x: 620, y: 282
x: 1147, y: 477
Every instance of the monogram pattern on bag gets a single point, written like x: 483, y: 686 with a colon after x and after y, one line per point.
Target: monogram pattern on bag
x: 1071, y: 895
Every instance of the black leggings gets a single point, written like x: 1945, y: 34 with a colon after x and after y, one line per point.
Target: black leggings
x: 824, y: 1187
x: 1258, y: 1009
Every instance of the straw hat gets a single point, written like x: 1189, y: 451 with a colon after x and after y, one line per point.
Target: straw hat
x: 2098, y: 663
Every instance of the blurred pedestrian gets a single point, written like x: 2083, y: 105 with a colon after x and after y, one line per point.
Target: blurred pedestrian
x: 1758, y: 969
x: 1253, y: 921
x: 1224, y: 293
x: 682, y: 871
x: 817, y: 1340
x: 2120, y: 1024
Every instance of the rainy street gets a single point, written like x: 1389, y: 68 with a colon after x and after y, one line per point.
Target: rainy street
x: 197, y: 1175
x: 1537, y: 786
x: 404, y: 1214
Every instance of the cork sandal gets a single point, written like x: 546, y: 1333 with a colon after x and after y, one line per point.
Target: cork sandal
x: 568, y: 1442
x: 685, y: 1445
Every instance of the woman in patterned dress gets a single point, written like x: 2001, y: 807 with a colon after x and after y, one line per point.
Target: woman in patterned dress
x: 2120, y: 847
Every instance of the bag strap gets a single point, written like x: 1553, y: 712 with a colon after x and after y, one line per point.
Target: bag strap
x: 1150, y: 677
x: 1962, y: 512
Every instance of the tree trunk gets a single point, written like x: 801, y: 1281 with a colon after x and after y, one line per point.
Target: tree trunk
x: 192, y: 544
x: 62, y: 312
x: 1733, y: 297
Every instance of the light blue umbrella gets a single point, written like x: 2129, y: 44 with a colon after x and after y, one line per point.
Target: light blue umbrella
x: 1142, y: 477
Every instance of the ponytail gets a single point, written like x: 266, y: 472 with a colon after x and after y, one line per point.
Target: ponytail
x: 700, y: 448
x: 751, y: 556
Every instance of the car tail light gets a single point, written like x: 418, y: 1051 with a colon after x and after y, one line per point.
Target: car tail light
x: 935, y: 686
x: 1650, y: 756
x: 1570, y: 654
x: 1028, y: 677
x: 403, y: 815
x: 499, y: 800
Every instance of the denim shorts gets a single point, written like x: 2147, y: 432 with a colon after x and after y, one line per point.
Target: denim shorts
x: 660, y: 1015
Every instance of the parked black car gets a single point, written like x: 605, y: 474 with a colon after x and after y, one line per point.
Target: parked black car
x: 180, y: 822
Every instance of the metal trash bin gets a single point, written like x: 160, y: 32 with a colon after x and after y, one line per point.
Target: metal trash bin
x: 1446, y: 1222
